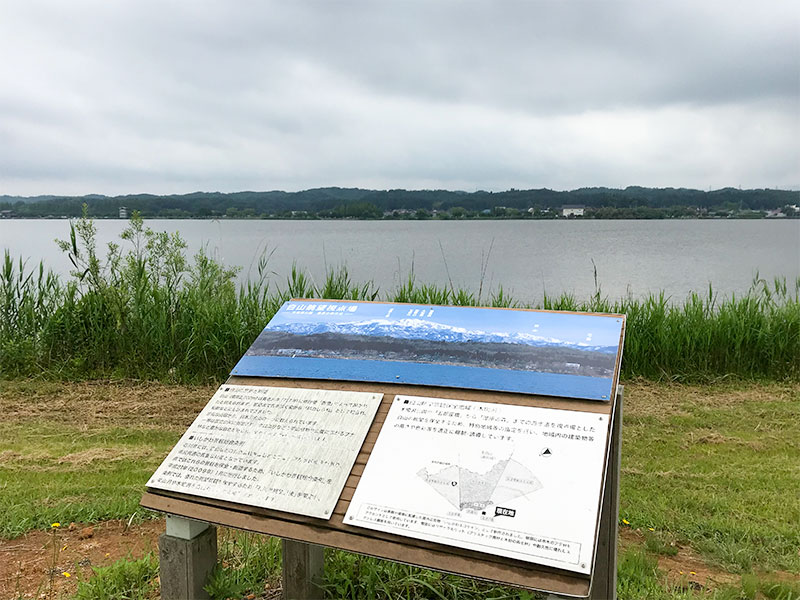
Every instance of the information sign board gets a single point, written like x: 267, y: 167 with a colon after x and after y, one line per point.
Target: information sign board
x: 516, y: 481
x: 470, y: 440
x: 287, y: 449
x: 532, y: 352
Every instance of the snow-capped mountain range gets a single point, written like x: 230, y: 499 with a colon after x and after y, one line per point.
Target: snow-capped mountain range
x: 421, y: 329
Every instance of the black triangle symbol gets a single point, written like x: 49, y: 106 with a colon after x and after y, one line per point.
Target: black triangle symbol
x: 547, y: 451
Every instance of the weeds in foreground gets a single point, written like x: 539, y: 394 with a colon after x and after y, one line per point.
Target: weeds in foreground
x: 145, y: 311
x: 248, y: 564
x: 126, y: 579
x: 354, y: 577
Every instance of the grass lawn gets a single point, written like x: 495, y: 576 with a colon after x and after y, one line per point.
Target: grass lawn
x: 718, y: 469
x: 710, y: 498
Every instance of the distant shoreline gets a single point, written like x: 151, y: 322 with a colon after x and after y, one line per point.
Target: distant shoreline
x: 484, y: 218
x: 632, y: 202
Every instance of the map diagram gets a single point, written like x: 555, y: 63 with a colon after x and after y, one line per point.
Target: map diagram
x: 523, y: 482
x: 469, y: 490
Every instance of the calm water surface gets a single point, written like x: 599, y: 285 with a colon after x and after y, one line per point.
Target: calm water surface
x: 526, y: 257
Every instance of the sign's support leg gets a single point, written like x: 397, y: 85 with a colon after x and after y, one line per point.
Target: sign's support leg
x: 604, y: 584
x: 303, y: 571
x: 187, y: 555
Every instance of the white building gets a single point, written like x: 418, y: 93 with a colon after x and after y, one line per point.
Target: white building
x: 572, y: 210
x: 123, y: 212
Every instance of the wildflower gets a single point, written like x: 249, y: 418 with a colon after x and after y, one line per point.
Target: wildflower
x: 65, y: 574
x: 64, y: 548
x: 55, y: 525
x: 626, y: 522
x: 650, y: 529
x: 692, y: 573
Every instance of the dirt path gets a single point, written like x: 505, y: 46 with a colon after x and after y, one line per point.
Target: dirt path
x: 27, y: 562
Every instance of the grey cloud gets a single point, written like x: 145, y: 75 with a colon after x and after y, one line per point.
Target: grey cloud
x: 531, y: 55
x: 442, y: 94
x: 557, y: 56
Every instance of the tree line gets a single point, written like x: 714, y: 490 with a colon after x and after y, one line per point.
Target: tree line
x: 356, y: 203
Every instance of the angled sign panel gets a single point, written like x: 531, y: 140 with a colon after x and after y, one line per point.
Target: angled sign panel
x: 523, y: 351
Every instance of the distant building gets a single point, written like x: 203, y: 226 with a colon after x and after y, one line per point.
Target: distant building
x: 6, y: 214
x: 123, y: 212
x: 573, y: 210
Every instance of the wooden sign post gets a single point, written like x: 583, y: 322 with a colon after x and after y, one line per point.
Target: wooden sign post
x: 488, y: 481
x: 303, y: 570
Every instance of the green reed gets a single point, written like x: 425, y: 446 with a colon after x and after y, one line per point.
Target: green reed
x: 146, y: 311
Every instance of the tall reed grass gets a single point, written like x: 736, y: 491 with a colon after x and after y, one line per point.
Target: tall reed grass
x: 146, y: 311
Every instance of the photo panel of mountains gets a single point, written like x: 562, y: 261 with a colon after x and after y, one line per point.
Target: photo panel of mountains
x: 510, y: 350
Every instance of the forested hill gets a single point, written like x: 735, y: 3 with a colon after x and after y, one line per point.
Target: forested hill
x: 334, y: 202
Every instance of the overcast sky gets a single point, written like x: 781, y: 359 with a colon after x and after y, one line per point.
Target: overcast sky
x: 172, y: 97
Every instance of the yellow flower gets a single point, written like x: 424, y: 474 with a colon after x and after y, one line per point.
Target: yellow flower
x: 65, y: 574
x: 64, y: 548
x: 692, y: 573
x: 55, y: 525
x: 626, y: 522
x: 651, y: 529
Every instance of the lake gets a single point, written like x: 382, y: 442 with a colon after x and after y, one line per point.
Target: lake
x: 526, y: 257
